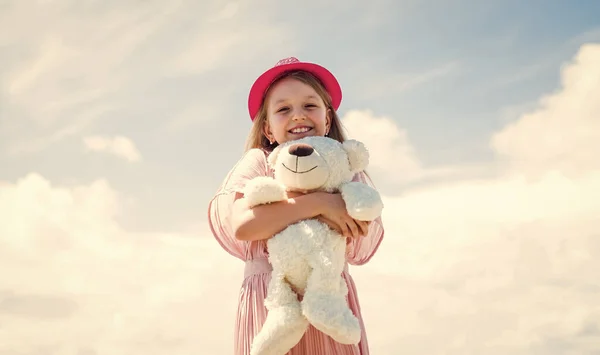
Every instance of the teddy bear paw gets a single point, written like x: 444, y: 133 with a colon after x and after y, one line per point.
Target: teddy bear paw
x: 331, y: 315
x: 362, y: 201
x: 282, y: 330
x: 262, y: 190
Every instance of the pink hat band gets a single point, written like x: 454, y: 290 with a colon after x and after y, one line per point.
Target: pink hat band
x: 263, y: 82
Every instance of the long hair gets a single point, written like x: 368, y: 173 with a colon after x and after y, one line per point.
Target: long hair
x: 256, y: 137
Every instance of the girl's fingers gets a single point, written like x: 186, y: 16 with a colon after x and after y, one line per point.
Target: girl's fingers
x: 346, y: 232
x: 354, y: 229
x: 364, y: 227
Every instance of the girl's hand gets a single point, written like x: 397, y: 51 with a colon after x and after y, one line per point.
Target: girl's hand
x: 363, y: 226
x: 333, y: 212
x: 331, y: 224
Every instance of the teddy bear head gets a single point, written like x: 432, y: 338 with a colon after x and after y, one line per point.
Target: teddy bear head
x: 317, y: 163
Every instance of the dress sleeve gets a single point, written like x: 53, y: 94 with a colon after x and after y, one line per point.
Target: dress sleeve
x: 360, y: 250
x: 251, y: 165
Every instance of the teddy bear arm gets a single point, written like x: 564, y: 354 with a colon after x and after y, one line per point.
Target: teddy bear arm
x: 263, y: 190
x: 362, y: 201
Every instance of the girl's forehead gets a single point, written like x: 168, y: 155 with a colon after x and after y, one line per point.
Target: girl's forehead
x: 291, y: 88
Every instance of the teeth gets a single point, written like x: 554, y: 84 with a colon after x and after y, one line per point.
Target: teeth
x: 300, y: 130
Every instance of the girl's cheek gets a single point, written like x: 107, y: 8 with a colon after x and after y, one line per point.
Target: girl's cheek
x: 281, y: 120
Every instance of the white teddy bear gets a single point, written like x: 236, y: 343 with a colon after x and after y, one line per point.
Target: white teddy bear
x: 308, y: 255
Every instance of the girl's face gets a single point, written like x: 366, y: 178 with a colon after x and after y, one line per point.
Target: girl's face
x: 295, y: 110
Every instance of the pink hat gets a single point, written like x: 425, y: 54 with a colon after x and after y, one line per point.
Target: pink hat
x: 263, y: 82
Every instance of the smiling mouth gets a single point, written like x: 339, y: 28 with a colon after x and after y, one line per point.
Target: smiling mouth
x: 300, y: 172
x: 300, y: 130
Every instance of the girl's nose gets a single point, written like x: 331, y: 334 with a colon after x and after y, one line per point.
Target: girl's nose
x: 299, y: 115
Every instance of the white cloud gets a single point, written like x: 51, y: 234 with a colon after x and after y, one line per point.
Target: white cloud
x: 118, y: 146
x: 394, y: 161
x: 443, y: 220
x: 68, y: 266
x: 488, y: 267
x: 228, y: 11
x: 389, y: 146
x: 563, y: 134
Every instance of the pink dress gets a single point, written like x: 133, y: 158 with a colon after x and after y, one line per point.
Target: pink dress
x: 251, y: 310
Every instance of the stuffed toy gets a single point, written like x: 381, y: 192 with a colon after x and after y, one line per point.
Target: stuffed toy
x: 308, y: 257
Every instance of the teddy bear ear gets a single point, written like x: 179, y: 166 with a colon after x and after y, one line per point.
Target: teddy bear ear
x: 358, y: 155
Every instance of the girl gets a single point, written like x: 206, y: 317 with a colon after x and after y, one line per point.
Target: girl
x: 289, y: 101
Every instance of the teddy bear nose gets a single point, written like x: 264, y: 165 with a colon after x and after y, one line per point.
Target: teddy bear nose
x: 301, y: 150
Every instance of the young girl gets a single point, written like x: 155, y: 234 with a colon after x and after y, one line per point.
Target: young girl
x: 289, y: 101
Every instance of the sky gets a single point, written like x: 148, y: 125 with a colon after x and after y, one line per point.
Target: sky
x: 119, y: 120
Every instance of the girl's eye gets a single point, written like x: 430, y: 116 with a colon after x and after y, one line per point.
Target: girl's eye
x: 311, y: 105
x: 282, y: 109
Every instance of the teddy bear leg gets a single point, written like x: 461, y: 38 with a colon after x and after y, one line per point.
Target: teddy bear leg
x: 324, y: 303
x: 285, y: 325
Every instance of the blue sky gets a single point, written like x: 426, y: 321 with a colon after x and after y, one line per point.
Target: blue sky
x: 119, y: 120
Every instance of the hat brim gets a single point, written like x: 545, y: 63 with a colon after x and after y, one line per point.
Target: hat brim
x: 262, y: 83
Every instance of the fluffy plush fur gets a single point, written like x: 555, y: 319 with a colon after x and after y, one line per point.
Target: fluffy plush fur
x: 308, y: 256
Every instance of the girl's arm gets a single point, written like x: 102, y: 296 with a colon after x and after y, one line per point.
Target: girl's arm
x: 264, y: 221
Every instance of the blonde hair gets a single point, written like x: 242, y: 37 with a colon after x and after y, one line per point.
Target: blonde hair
x: 256, y: 137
